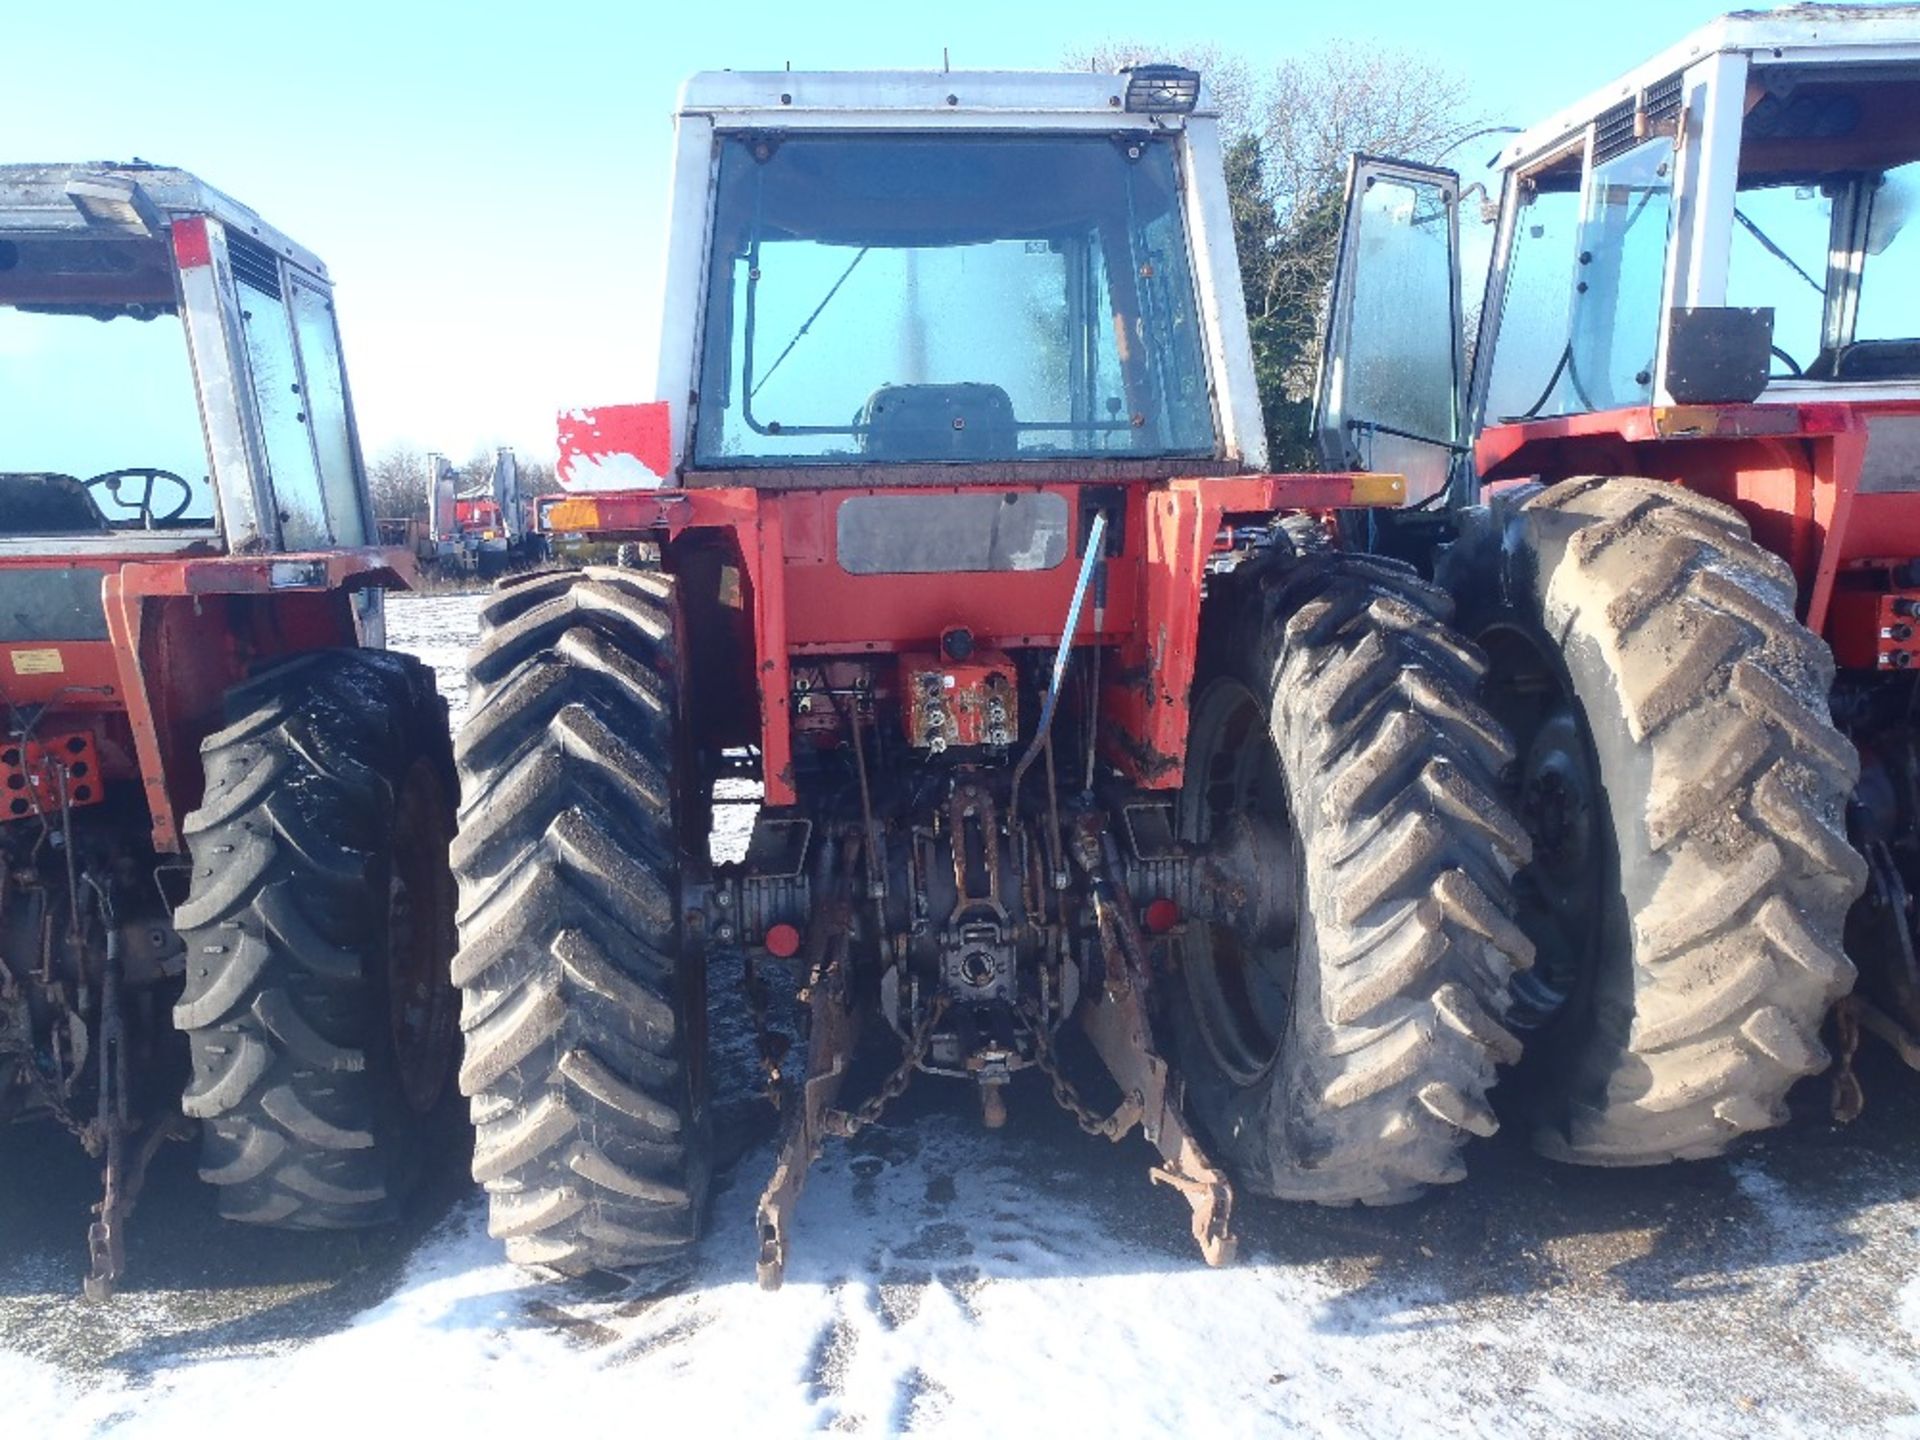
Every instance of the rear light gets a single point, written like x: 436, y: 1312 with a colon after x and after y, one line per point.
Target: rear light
x: 573, y: 514
x: 191, y: 248
x: 1379, y: 489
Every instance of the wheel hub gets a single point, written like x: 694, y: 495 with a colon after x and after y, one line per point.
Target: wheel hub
x: 1237, y: 956
x: 1560, y: 805
x: 1556, y: 806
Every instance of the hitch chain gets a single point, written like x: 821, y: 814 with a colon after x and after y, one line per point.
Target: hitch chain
x: 1067, y: 1095
x: 845, y: 1124
x: 772, y: 1045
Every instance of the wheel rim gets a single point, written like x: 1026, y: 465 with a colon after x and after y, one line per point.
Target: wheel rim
x: 1237, y: 956
x: 1562, y: 889
x: 421, y: 1020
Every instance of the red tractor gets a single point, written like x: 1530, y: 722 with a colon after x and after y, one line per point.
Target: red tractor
x: 1678, y: 498
x: 953, y: 529
x: 473, y: 523
x: 224, y: 810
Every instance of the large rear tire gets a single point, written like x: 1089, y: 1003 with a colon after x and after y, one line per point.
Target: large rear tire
x: 1339, y: 1022
x: 584, y: 1012
x: 318, y: 929
x: 1686, y: 789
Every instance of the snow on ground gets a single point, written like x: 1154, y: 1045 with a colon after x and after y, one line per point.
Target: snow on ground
x: 952, y: 1281
x: 439, y: 628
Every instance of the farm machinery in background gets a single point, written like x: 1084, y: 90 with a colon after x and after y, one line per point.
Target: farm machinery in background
x: 473, y: 526
x: 478, y: 525
x: 224, y: 810
x: 1678, y: 499
x: 958, y: 400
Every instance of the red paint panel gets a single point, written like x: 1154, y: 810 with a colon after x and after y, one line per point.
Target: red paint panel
x: 615, y: 446
x: 802, y: 603
x: 191, y: 248
x: 1506, y: 451
x: 808, y: 530
x: 81, y: 674
x: 831, y: 611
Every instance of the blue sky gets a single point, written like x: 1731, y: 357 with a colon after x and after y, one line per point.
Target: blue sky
x: 486, y: 181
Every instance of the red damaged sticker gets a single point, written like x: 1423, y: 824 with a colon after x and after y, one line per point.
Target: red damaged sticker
x: 616, y: 447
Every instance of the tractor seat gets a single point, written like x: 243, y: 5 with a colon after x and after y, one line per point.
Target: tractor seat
x: 1878, y: 360
x: 962, y: 421
x: 46, y: 503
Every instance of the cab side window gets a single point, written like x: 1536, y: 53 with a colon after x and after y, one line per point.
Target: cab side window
x: 1530, y: 349
x: 326, y: 392
x: 278, y: 394
x: 299, y: 388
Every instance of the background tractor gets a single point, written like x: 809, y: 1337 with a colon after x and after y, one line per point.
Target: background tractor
x: 475, y: 524
x: 224, y: 811
x: 951, y: 530
x: 1687, y: 535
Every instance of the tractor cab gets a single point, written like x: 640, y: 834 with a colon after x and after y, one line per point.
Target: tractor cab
x: 475, y: 523
x: 1727, y: 225
x: 908, y: 270
x: 170, y: 373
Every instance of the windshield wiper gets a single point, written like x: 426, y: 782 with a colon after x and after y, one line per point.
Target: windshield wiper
x: 1777, y: 253
x: 807, y: 324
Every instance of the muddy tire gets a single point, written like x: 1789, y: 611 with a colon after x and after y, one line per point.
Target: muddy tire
x: 1339, y: 1023
x: 584, y: 1017
x: 318, y: 929
x: 1686, y: 791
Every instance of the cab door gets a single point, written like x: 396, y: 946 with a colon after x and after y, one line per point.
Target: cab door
x: 1389, y: 398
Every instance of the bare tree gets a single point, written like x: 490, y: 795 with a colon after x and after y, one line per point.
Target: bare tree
x: 398, y: 479
x: 1289, y: 135
x: 1316, y: 113
x: 537, y: 478
x: 474, y: 473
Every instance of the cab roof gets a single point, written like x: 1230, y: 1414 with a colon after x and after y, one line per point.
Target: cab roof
x: 72, y: 198
x: 936, y: 97
x: 1793, y: 34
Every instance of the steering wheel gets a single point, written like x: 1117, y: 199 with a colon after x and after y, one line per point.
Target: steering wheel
x: 150, y: 476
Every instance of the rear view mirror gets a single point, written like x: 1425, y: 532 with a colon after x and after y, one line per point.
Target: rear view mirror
x: 1389, y: 392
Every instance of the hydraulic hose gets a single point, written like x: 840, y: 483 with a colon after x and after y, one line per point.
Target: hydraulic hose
x: 1096, y: 546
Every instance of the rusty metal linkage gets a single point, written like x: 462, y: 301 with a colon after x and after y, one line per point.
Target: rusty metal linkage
x: 1116, y: 1021
x: 1852, y: 1015
x: 770, y: 1044
x: 832, y: 1029
x: 1857, y: 1012
x: 106, y: 1240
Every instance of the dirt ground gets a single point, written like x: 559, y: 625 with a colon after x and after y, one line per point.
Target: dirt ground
x: 948, y: 1280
